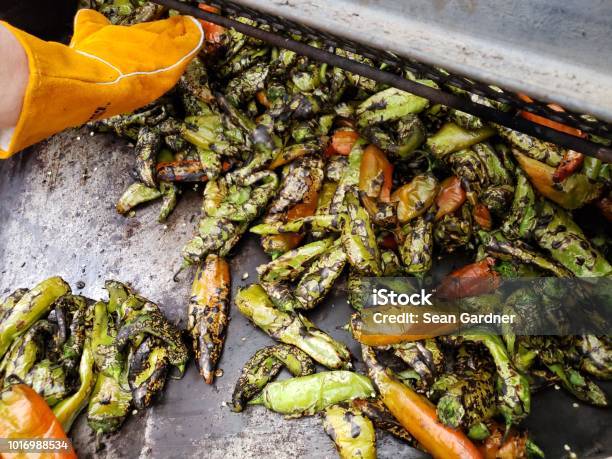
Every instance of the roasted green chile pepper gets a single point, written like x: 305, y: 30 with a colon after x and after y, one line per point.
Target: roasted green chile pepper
x: 579, y: 385
x: 28, y: 349
x: 399, y: 140
x: 152, y: 322
x: 536, y: 149
x: 148, y: 368
x: 228, y: 210
x: 282, y: 296
x: 68, y: 409
x: 49, y: 380
x: 466, y: 396
x: 291, y: 328
x: 521, y: 220
x: 550, y: 352
x: 357, y: 294
x: 76, y: 309
x: 557, y: 233
x: 514, y: 398
x: 417, y: 247
x: 169, y: 193
x: 147, y: 147
x: 350, y: 178
x: 319, y: 278
x: 451, y: 138
x: 382, y: 418
x: 108, y: 406
x: 263, y: 366
x: 352, y: 432
x: 304, y: 175
x: 596, y: 355
x: 103, y: 335
x: 9, y: 302
x: 31, y: 307
x: 358, y: 238
x: 315, y: 223
x: 424, y: 356
x: 455, y: 230
x: 136, y: 194
x: 497, y: 245
x: 293, y: 263
x: 388, y: 105
x: 308, y: 395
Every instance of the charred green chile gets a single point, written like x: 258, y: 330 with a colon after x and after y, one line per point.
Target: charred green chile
x: 68, y: 409
x: 557, y: 233
x: 31, y: 307
x: 308, y: 395
x: 263, y: 366
x: 291, y: 328
x: 352, y: 432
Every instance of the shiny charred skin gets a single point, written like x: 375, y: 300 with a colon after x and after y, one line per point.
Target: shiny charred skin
x: 153, y: 323
x: 320, y: 277
x: 382, y: 418
x: 30, y: 307
x: 68, y: 409
x: 358, y: 238
x: 291, y: 328
x: 557, y: 233
x: 263, y: 367
x: 147, y: 371
x: 352, y: 432
x: 466, y: 397
x: 228, y: 210
x: 109, y: 405
x: 513, y: 393
x: 209, y: 313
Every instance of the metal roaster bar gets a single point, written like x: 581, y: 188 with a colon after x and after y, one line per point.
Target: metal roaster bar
x: 434, y: 95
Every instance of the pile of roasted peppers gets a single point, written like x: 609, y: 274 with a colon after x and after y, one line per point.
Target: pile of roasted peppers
x: 338, y: 173
x: 106, y: 358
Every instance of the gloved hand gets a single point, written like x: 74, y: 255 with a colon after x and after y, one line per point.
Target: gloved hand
x: 106, y: 70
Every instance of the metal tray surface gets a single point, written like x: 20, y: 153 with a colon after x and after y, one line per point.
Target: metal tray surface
x: 57, y: 217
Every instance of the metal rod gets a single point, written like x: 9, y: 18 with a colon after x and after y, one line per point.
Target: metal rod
x: 434, y: 95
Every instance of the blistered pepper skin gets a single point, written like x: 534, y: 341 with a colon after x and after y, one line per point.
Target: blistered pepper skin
x: 209, y: 313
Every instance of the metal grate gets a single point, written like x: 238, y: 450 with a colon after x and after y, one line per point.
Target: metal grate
x: 395, y: 64
x: 587, y: 124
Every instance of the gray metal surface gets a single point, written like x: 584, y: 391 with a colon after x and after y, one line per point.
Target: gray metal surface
x: 554, y: 50
x: 57, y: 217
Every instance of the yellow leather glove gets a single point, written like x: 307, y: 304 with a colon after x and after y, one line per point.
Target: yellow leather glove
x: 106, y: 70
